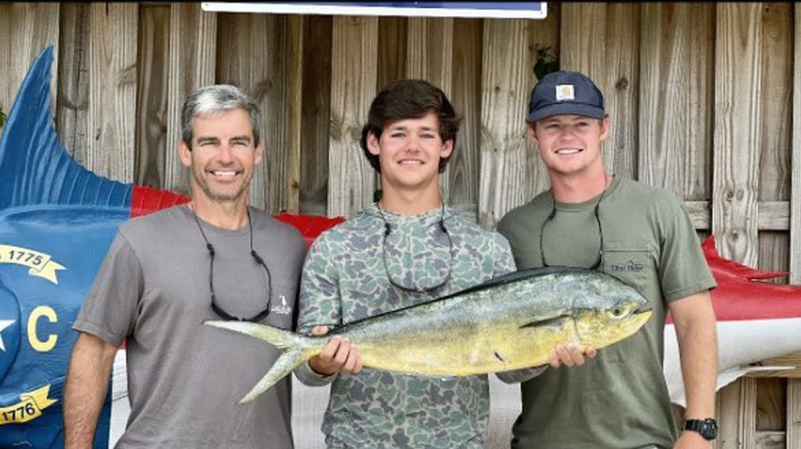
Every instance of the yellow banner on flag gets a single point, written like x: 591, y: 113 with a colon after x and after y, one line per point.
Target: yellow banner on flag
x: 40, y: 264
x: 28, y: 408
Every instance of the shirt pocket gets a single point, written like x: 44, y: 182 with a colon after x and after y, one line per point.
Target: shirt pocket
x: 632, y: 262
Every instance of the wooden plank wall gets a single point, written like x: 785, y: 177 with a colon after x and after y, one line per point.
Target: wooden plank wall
x: 191, y: 62
x: 705, y: 101
x: 25, y: 29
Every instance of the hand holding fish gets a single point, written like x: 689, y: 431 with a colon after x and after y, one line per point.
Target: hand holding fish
x: 570, y: 355
x: 338, y: 356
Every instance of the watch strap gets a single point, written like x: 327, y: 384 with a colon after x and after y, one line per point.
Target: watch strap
x: 708, y: 427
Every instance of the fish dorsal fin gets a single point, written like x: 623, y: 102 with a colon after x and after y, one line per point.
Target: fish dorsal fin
x: 35, y: 168
x: 500, y: 280
x: 513, y: 277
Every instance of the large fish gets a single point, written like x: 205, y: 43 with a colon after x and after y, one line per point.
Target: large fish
x: 507, y: 323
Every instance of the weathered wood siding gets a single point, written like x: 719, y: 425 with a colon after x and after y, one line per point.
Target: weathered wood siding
x: 705, y: 101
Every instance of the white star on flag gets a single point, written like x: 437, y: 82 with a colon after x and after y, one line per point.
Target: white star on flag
x: 4, y: 324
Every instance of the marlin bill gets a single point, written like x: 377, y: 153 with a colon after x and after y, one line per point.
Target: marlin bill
x: 510, y: 322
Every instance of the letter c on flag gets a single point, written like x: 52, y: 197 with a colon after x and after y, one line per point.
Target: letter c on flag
x: 33, y: 338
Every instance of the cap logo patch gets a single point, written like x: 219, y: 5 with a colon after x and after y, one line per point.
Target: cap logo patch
x: 565, y: 92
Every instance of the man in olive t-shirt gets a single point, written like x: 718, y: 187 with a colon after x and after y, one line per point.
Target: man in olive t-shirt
x: 643, y: 236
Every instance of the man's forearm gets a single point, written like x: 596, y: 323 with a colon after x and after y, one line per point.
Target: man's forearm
x: 697, y: 338
x: 85, y: 389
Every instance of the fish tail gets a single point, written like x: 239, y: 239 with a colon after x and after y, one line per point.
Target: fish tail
x: 280, y: 338
x: 281, y: 368
x: 299, y: 348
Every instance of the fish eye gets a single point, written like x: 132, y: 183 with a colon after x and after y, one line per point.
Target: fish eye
x: 617, y: 312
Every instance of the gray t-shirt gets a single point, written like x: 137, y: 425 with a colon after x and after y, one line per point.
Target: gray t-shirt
x: 618, y: 400
x: 185, y: 379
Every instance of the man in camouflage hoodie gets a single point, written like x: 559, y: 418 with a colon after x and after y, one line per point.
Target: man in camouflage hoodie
x: 405, y: 249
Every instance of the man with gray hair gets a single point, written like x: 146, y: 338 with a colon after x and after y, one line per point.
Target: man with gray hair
x: 165, y: 274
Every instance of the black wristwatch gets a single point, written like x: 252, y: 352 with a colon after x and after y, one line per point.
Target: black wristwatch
x: 708, y: 428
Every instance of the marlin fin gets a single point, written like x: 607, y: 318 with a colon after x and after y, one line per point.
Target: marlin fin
x: 735, y: 268
x: 35, y: 168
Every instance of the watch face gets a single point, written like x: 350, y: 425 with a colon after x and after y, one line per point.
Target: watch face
x: 710, y: 429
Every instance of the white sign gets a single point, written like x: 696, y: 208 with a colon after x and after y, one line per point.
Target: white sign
x: 507, y: 10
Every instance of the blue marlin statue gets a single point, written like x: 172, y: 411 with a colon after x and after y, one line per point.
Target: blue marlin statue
x: 57, y: 220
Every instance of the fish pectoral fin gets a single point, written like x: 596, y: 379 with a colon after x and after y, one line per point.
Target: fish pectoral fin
x: 556, y: 322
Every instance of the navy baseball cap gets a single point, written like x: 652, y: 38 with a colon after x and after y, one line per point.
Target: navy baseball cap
x: 565, y: 93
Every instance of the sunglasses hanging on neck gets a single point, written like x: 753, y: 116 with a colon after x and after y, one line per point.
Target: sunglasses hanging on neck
x: 256, y: 257
x: 599, y: 258
x: 415, y: 288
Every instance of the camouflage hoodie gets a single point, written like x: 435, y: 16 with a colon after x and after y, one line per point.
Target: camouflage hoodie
x: 357, y: 270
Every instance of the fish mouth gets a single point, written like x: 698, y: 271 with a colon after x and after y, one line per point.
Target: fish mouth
x: 642, y: 310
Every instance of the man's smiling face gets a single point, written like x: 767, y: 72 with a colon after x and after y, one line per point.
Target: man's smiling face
x: 569, y: 144
x: 223, y: 154
x: 410, y: 151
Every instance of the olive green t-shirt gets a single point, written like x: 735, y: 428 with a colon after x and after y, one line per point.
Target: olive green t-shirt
x: 620, y: 399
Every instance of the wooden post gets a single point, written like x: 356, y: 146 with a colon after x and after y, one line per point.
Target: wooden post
x: 315, y: 113
x: 26, y: 29
x: 738, y: 134
x: 795, y: 155
x: 112, y: 89
x: 192, y: 62
x: 353, y: 86
x: 793, y: 413
x: 664, y: 102
x: 430, y: 51
x: 774, y: 151
x: 620, y: 84
x: 73, y: 99
x: 292, y: 121
x: 736, y: 411
x: 430, y: 56
x: 504, y: 97
x: 463, y: 169
x: 701, y: 47
x: 151, y: 104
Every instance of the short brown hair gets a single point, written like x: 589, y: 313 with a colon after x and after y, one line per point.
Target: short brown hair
x: 409, y: 98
